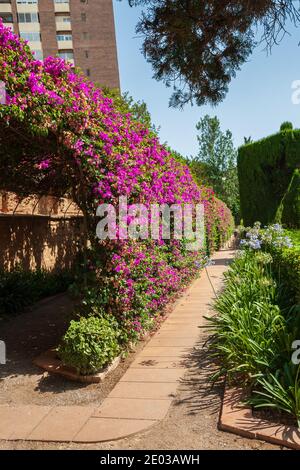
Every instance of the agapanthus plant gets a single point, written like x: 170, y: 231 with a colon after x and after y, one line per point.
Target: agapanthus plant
x: 271, y: 236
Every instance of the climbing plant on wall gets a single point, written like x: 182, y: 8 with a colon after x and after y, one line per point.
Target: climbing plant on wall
x: 61, y: 135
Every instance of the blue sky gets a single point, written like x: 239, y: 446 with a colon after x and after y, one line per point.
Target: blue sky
x: 259, y: 98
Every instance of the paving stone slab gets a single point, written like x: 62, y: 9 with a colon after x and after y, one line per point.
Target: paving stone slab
x: 159, y: 391
x: 165, y: 352
x: 16, y: 422
x: 152, y: 375
x: 170, y: 341
x: 130, y: 408
x: 167, y: 333
x: 155, y: 362
x: 108, y: 429
x: 62, y: 423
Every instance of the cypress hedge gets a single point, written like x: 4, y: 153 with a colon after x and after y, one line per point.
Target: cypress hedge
x: 269, y: 179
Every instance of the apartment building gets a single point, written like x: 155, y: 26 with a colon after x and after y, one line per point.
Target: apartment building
x: 80, y: 31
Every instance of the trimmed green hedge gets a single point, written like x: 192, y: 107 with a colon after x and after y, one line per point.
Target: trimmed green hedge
x: 287, y: 266
x: 269, y: 179
x: 289, y: 210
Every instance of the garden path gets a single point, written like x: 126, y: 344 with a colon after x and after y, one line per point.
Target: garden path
x: 143, y: 396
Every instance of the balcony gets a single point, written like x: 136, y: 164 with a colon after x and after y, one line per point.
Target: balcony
x: 63, y: 26
x: 5, y: 8
x: 62, y: 7
x: 35, y: 45
x: 65, y: 44
x: 27, y: 8
x: 29, y: 27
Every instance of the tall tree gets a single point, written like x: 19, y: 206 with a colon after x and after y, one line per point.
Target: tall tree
x: 198, y: 46
x: 216, y: 161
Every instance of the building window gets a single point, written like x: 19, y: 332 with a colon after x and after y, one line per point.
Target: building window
x: 88, y: 72
x: 67, y: 55
x: 87, y: 54
x: 6, y: 17
x: 85, y: 35
x: 31, y: 36
x: 28, y: 17
x: 38, y: 54
x: 28, y: 2
x: 64, y: 37
x: 83, y: 16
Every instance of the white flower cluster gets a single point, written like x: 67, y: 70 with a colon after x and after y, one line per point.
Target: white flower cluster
x: 271, y: 236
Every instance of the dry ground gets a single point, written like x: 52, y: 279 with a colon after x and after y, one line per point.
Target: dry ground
x: 192, y: 420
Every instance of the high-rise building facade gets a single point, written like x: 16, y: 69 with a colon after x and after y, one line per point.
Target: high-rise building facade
x: 80, y: 31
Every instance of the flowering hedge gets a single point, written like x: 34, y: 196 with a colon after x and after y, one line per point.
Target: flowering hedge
x: 61, y: 135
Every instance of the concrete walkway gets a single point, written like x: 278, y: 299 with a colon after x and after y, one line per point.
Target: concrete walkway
x: 145, y: 392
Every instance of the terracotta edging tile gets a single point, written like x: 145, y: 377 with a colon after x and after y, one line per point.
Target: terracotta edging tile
x: 48, y: 361
x: 238, y: 419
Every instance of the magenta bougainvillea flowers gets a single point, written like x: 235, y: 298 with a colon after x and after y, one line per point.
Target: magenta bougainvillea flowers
x: 104, y: 153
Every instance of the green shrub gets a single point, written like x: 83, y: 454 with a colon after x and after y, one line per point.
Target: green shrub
x: 266, y: 169
x: 295, y: 237
x: 287, y: 269
x: 90, y: 344
x: 20, y: 289
x: 290, y: 206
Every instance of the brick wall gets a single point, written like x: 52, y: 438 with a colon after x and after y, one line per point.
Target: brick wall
x: 94, y: 40
x: 39, y: 241
x: 39, y: 232
x: 11, y: 203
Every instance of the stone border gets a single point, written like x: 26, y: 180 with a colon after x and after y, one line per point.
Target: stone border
x: 50, y: 362
x: 237, y: 418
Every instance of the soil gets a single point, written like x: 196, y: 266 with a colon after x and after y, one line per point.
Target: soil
x: 275, y: 416
x: 191, y: 423
x: 32, y: 333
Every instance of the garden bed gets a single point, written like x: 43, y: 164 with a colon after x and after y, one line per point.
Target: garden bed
x: 23, y: 382
x: 238, y: 418
x: 31, y: 334
x: 255, y: 338
x: 50, y: 362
